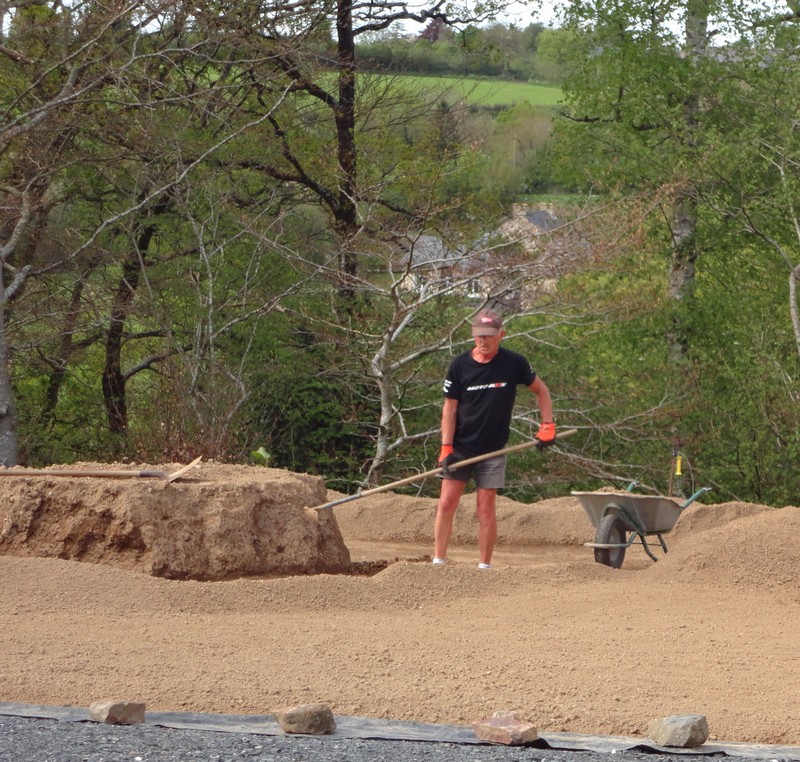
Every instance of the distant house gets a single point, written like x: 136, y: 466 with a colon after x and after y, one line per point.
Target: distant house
x: 542, y: 219
x: 430, y: 259
x: 526, y: 226
x: 427, y: 259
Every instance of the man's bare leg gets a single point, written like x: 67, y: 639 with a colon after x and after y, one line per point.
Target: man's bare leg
x: 487, y: 520
x: 451, y: 493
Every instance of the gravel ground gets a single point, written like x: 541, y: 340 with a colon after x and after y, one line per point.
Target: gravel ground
x: 24, y: 739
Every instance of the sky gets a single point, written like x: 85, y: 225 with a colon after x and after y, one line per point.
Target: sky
x: 523, y: 14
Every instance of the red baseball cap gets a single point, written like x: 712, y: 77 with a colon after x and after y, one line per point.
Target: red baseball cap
x: 487, y: 323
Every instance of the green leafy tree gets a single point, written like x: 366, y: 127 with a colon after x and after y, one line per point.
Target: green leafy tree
x: 640, y: 90
x: 684, y: 105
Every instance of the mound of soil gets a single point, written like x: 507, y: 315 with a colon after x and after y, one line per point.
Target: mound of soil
x: 215, y: 522
x: 711, y: 628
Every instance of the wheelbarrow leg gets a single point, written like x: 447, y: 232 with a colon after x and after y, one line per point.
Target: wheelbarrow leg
x: 640, y: 534
x: 646, y: 547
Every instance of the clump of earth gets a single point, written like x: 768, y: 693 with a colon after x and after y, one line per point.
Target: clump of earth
x: 176, y: 594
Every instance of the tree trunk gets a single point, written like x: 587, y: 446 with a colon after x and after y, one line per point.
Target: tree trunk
x: 794, y: 311
x: 66, y: 348
x: 682, y: 273
x: 113, y: 382
x: 684, y: 214
x: 382, y: 374
x: 346, y: 214
x: 113, y: 378
x: 8, y: 407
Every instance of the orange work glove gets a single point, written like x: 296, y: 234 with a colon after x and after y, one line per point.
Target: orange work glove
x: 546, y: 435
x: 446, y: 458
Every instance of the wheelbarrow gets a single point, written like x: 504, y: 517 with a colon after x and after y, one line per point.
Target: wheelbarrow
x: 616, y: 514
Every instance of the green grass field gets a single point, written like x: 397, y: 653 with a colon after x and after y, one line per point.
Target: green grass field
x: 489, y: 92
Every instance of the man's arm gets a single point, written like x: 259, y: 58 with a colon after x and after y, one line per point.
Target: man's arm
x: 446, y: 456
x: 539, y: 388
x: 449, y: 420
x: 547, y: 428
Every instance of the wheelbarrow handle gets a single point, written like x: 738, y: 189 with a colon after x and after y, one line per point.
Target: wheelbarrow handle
x: 702, y: 491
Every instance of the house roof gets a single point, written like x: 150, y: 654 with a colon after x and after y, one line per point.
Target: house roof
x: 541, y: 219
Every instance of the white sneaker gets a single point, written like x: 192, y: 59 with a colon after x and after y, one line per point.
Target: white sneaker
x: 439, y: 561
x: 484, y: 566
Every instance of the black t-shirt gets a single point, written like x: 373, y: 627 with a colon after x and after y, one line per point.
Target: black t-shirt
x: 485, y: 394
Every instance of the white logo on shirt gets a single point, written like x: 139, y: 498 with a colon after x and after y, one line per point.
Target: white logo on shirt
x: 480, y: 387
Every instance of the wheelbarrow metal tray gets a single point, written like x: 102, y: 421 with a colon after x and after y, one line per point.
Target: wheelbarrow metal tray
x: 653, y: 513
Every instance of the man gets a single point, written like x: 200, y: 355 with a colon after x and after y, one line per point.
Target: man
x: 480, y: 390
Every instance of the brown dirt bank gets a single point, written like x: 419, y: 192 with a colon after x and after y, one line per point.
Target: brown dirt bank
x: 711, y: 628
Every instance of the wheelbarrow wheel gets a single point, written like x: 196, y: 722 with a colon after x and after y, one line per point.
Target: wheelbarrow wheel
x: 610, y: 531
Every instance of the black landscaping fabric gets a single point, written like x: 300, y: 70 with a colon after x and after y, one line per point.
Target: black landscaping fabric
x: 63, y: 734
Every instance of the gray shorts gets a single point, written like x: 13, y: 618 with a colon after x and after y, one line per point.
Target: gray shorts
x: 488, y: 474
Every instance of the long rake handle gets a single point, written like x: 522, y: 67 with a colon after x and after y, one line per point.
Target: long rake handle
x: 436, y: 471
x: 96, y: 472
x: 101, y: 473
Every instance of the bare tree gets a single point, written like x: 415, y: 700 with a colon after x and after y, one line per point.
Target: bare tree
x: 75, y: 134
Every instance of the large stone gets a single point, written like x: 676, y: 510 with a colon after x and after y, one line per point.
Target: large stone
x: 683, y: 730
x: 220, y: 522
x: 307, y: 719
x: 117, y: 712
x: 505, y: 728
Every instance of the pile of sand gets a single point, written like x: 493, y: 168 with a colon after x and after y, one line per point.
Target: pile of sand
x: 215, y: 522
x: 572, y: 645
